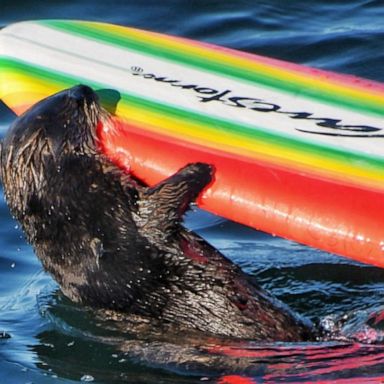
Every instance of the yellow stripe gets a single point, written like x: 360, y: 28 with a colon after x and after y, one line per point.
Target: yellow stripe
x: 18, y: 83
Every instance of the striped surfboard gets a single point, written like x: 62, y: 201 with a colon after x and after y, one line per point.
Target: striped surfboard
x: 299, y: 152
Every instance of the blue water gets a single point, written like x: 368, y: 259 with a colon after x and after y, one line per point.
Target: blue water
x: 54, y: 341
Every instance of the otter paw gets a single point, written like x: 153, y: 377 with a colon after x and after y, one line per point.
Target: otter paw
x: 200, y: 170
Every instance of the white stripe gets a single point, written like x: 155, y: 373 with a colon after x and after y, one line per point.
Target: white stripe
x: 110, y: 65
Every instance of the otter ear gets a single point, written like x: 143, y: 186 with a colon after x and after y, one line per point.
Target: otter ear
x: 162, y: 206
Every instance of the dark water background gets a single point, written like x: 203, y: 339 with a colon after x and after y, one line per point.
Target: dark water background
x: 50, y: 342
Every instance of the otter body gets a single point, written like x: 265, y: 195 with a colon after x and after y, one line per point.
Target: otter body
x: 117, y: 245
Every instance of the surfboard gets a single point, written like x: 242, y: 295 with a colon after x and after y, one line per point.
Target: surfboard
x: 298, y: 152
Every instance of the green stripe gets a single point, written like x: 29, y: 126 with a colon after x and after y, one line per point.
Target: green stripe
x: 356, y: 160
x: 212, y: 65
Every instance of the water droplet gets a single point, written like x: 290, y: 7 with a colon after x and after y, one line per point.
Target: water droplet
x: 87, y: 378
x: 13, y: 265
x: 72, y: 343
x: 16, y: 226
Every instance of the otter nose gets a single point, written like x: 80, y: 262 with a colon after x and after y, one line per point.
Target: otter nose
x: 81, y: 92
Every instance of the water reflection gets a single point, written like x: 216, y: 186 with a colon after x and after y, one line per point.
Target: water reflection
x: 76, y: 342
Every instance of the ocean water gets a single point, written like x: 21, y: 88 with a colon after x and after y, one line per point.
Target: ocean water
x: 54, y: 341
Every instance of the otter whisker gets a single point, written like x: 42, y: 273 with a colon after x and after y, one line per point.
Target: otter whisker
x: 10, y: 156
x: 34, y: 174
x: 31, y: 141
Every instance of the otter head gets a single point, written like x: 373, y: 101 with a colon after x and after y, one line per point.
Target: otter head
x: 41, y: 139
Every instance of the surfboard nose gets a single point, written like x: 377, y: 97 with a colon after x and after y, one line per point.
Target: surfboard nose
x: 81, y: 92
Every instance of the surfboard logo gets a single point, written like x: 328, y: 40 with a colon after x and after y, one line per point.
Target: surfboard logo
x: 136, y: 70
x: 322, y: 125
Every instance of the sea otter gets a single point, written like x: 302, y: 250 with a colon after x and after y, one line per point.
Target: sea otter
x: 117, y: 245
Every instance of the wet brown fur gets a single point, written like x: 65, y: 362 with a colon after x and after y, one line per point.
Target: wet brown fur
x: 117, y: 245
